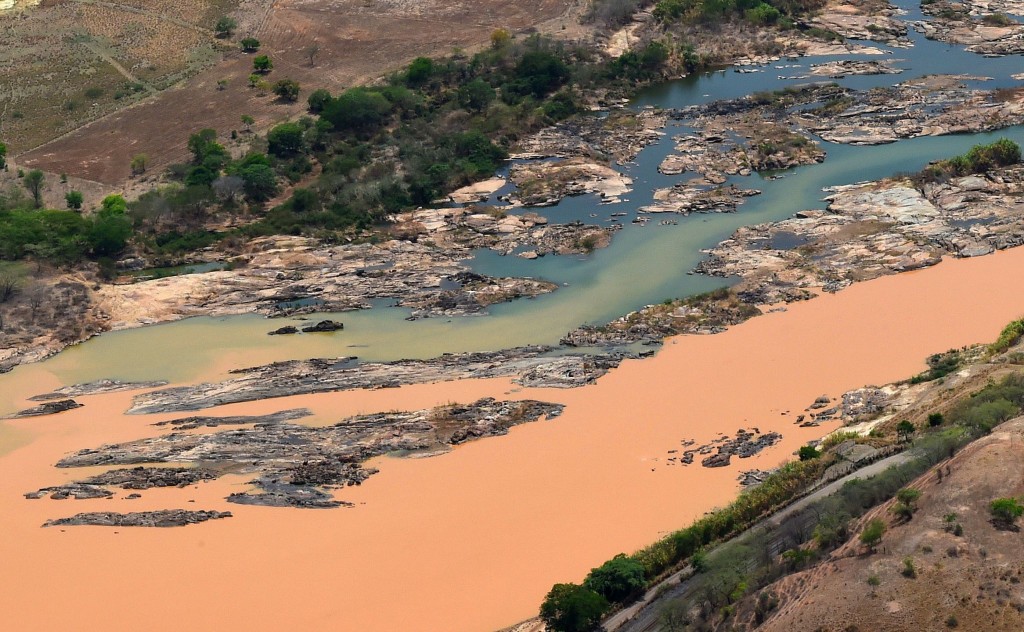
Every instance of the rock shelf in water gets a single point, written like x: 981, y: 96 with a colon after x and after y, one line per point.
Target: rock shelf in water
x: 295, y: 465
x: 162, y: 518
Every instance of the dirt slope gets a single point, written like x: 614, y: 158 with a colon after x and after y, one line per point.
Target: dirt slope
x: 971, y: 582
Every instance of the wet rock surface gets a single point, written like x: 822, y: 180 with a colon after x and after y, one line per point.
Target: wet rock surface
x: 78, y: 491
x: 531, y: 366
x: 719, y: 452
x: 324, y: 326
x: 163, y: 518
x: 130, y: 478
x: 298, y: 497
x: 191, y: 423
x: 296, y: 465
x: 96, y: 388
x: 702, y: 314
x: 284, y: 331
x: 47, y: 408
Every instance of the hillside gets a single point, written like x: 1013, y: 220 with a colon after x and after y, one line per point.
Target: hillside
x: 971, y: 581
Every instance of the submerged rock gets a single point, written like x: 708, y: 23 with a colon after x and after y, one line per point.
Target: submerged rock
x: 324, y: 326
x: 284, y: 331
x: 162, y: 518
x: 48, y: 408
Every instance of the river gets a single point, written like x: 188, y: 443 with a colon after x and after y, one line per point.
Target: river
x: 473, y: 539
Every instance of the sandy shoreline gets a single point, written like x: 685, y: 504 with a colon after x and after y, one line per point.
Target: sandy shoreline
x: 473, y: 539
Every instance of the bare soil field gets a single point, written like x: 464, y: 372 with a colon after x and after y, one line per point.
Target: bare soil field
x: 357, y: 41
x: 66, y: 62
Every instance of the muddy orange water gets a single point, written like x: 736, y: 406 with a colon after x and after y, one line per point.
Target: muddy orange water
x: 473, y: 539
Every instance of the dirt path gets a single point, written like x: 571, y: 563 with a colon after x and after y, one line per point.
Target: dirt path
x: 102, y: 54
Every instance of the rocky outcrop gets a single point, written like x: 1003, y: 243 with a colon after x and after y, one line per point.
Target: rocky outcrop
x: 719, y: 452
x: 191, y: 423
x: 291, y: 275
x: 296, y: 466
x: 851, y: 67
x: 527, y: 235
x: 708, y: 313
x: 545, y: 183
x: 129, y: 478
x: 163, y: 518
x: 618, y: 137
x: 324, y: 326
x: 471, y: 294
x: 287, y: 330
x: 531, y: 366
x: 47, y: 408
x: 865, y: 20
x: 871, y: 230
x: 982, y: 27
x: 96, y: 388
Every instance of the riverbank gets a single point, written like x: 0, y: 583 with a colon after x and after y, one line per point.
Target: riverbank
x: 598, y: 452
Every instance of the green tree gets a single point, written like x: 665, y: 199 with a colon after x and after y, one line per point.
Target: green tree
x: 1006, y: 511
x: 199, y: 143
x: 476, y: 95
x: 318, y: 100
x: 111, y: 227
x: 420, y: 71
x: 872, y: 533
x: 907, y: 503
x: 540, y: 73
x: 247, y: 121
x: 808, y: 452
x: 260, y: 182
x: 905, y: 430
x: 3, y: 156
x: 935, y: 419
x: 617, y: 579
x: 262, y: 64
x: 224, y: 26
x: 285, y: 140
x: 572, y: 608
x: 33, y: 182
x: 249, y: 44
x: 358, y: 110
x: 74, y: 199
x: 287, y: 90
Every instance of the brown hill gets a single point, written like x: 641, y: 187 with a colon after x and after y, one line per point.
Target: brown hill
x: 972, y: 581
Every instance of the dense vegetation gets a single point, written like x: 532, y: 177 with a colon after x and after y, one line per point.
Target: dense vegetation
x: 978, y: 159
x: 62, y: 237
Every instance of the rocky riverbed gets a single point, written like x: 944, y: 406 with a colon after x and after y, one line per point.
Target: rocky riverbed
x: 533, y: 366
x: 163, y: 518
x: 528, y: 235
x: 874, y: 229
x: 293, y: 465
x: 982, y: 27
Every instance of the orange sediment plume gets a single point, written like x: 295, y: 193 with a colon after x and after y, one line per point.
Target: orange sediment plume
x: 472, y: 540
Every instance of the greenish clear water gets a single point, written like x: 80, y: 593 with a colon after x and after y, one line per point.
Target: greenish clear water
x: 644, y: 264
